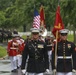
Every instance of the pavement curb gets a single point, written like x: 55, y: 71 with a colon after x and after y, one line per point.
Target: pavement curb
x: 3, y: 58
x: 5, y: 71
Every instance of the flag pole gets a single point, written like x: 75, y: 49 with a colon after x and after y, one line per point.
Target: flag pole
x: 56, y: 50
x: 58, y: 2
x: 56, y: 45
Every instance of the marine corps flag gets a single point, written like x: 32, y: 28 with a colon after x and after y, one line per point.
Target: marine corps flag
x: 58, y: 24
x: 42, y: 17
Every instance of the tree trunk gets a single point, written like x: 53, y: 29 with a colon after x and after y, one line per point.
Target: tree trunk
x: 24, y: 28
x: 74, y: 36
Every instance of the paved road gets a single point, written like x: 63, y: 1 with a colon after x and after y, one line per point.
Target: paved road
x: 6, y: 70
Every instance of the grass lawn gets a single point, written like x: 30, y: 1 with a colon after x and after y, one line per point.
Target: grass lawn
x: 3, y: 52
x: 71, y: 37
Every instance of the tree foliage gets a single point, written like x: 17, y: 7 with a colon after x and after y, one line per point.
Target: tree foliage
x: 17, y: 13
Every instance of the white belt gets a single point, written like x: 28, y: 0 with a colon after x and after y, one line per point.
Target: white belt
x: 66, y: 57
x: 13, y: 48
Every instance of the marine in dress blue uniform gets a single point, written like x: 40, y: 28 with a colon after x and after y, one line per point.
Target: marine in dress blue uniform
x: 49, y: 43
x: 66, y: 55
x: 38, y: 57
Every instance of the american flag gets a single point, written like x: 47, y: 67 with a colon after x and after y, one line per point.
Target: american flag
x: 36, y: 20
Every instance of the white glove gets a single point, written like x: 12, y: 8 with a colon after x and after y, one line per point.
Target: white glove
x: 54, y: 71
x: 74, y: 70
x: 23, y: 71
x: 47, y: 70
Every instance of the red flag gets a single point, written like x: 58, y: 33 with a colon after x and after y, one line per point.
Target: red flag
x: 58, y: 25
x: 42, y: 16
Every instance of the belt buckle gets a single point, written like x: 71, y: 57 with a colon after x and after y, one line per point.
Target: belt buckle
x: 64, y: 57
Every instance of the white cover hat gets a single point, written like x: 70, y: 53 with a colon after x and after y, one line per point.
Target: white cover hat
x: 64, y: 31
x: 15, y: 35
x: 35, y: 30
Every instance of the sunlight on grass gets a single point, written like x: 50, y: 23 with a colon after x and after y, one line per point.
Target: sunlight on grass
x: 3, y: 52
x: 71, y: 37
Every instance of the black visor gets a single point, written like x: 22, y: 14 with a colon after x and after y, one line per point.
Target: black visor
x: 63, y: 34
x: 35, y: 33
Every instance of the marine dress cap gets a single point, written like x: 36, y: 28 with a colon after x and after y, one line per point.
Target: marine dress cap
x: 35, y: 30
x: 64, y: 31
x: 15, y: 35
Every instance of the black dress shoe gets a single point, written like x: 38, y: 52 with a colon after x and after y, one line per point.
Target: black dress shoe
x: 15, y: 70
x: 18, y: 67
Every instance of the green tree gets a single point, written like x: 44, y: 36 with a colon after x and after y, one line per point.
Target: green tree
x: 17, y: 13
x: 2, y: 18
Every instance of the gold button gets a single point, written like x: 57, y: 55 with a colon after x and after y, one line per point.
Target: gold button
x: 63, y: 43
x: 64, y: 52
x: 35, y: 42
x: 36, y: 57
x: 63, y: 47
x: 35, y: 46
x: 35, y: 49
